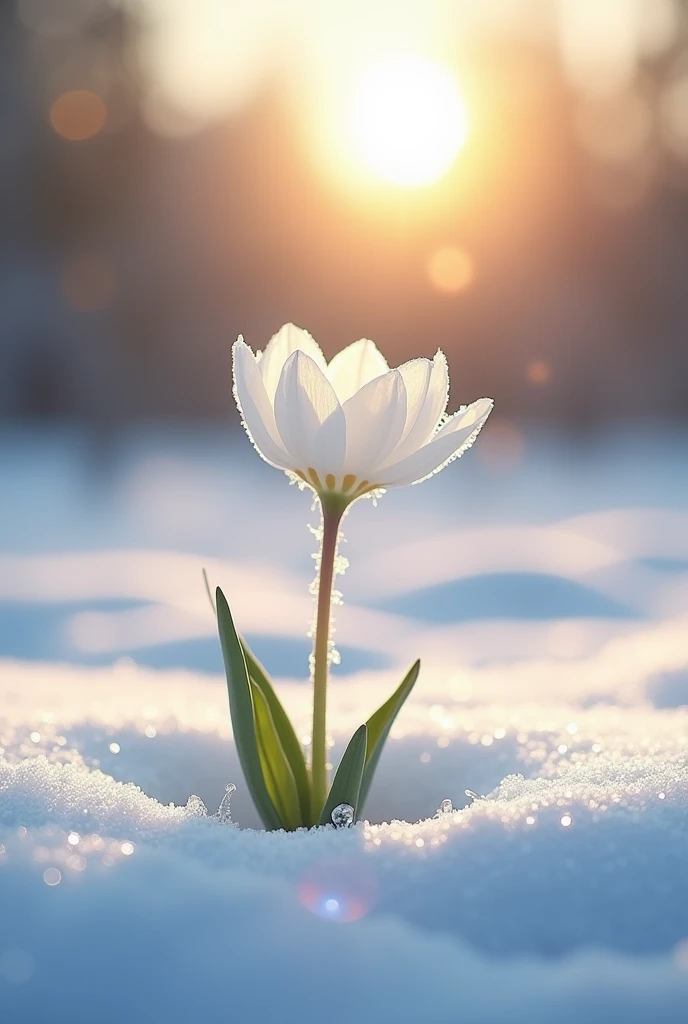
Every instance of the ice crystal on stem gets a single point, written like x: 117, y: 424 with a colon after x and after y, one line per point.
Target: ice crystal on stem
x: 224, y: 811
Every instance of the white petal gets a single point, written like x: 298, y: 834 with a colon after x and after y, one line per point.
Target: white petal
x: 449, y: 442
x: 304, y: 401
x: 287, y: 340
x: 430, y: 410
x: 416, y: 375
x: 355, y: 366
x: 330, y: 444
x: 435, y: 403
x: 255, y: 408
x: 375, y: 419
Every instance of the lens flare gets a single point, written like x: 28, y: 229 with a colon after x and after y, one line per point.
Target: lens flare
x: 407, y: 120
x: 339, y: 891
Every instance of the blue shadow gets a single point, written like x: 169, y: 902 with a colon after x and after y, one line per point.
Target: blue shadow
x: 36, y: 632
x: 506, y: 596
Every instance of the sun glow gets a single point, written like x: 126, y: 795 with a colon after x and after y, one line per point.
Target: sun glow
x: 407, y: 120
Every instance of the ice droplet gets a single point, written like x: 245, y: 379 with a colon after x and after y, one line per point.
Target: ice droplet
x: 446, y: 807
x: 224, y: 812
x: 342, y: 816
x: 195, y: 807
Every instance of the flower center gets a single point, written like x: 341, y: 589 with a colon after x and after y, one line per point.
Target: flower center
x: 347, y: 485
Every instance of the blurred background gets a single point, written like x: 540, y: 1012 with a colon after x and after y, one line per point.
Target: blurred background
x: 504, y: 179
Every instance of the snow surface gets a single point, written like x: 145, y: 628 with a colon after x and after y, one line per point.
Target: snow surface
x: 554, y: 636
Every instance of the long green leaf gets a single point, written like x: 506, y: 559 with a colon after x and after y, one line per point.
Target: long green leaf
x: 285, y: 731
x: 277, y: 773
x: 346, y: 786
x: 242, y: 712
x: 379, y: 725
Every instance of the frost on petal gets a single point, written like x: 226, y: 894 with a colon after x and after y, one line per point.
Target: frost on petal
x: 429, y: 413
x: 436, y: 400
x: 304, y: 401
x: 375, y: 419
x: 448, y: 444
x: 355, y: 366
x: 289, y: 339
x: 255, y: 408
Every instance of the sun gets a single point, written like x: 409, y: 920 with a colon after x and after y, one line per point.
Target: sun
x: 407, y: 120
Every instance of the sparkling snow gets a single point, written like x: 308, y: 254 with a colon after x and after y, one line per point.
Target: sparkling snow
x: 549, y: 603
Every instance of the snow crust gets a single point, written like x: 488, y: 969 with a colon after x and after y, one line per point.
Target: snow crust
x: 561, y: 893
x: 558, y: 891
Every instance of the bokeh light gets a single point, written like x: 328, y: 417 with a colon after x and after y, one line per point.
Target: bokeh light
x: 538, y: 372
x: 598, y: 43
x: 254, y: 163
x: 407, y: 120
x: 203, y: 60
x: 450, y: 270
x: 78, y: 115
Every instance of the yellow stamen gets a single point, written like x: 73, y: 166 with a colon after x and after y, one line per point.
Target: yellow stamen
x: 315, y: 479
x: 348, y: 482
x: 302, y: 475
x: 330, y: 481
x: 363, y: 486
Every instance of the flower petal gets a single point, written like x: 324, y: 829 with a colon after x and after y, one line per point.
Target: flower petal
x: 287, y: 340
x: 354, y: 366
x: 330, y: 444
x: 449, y: 443
x: 375, y: 419
x: 429, y: 407
x: 255, y: 408
x: 416, y: 375
x: 304, y: 402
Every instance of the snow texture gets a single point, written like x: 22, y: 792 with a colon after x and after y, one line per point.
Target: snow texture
x: 556, y: 892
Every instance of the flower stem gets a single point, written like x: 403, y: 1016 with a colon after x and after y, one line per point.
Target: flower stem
x: 331, y: 518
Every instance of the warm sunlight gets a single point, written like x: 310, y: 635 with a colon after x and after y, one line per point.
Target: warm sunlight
x: 408, y: 120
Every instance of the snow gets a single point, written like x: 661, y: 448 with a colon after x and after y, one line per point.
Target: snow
x: 558, y: 892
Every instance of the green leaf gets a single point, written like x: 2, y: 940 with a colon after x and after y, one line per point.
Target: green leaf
x: 346, y: 786
x: 285, y: 731
x: 278, y: 776
x: 242, y: 712
x: 379, y: 725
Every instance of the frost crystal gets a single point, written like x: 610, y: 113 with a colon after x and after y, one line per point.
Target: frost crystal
x: 341, y: 564
x: 195, y: 807
x: 224, y: 811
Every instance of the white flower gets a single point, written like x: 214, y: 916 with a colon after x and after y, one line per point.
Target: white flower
x: 353, y: 425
